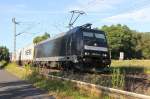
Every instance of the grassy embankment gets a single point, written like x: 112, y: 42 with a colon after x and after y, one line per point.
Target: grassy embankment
x: 59, y: 89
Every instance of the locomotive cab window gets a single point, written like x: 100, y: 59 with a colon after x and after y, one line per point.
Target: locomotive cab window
x: 88, y: 34
x: 101, y: 36
x: 93, y: 38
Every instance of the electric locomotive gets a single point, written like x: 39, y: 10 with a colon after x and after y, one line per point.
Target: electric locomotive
x: 80, y: 48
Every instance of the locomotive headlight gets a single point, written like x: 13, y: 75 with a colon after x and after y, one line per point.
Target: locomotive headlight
x: 86, y: 53
x: 104, y: 55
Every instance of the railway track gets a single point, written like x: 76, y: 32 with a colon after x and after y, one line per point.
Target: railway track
x: 100, y: 90
x: 81, y: 74
x: 138, y: 83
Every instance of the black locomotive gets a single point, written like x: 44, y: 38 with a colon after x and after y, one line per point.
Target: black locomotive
x: 80, y: 48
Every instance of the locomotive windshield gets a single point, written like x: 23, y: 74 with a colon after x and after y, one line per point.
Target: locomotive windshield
x: 94, y: 39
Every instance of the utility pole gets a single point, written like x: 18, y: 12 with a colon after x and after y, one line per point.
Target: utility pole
x: 71, y: 22
x: 14, y: 23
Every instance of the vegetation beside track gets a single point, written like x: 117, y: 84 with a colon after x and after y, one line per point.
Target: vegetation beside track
x: 132, y: 66
x: 129, y: 75
x: 3, y: 63
x: 56, y: 88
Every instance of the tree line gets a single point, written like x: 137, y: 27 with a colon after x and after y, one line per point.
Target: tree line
x: 135, y: 45
x: 4, y: 53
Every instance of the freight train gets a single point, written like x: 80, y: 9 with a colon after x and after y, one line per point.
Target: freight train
x: 81, y: 48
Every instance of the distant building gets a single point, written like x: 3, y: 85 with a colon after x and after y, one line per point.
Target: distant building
x: 121, y: 56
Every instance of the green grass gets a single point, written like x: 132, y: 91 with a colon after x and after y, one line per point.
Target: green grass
x: 3, y: 63
x: 60, y: 89
x: 118, y: 79
x: 131, y: 63
x: 17, y: 71
x: 132, y: 66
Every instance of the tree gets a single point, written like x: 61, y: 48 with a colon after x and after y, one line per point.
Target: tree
x: 119, y: 40
x: 4, y: 53
x: 137, y: 46
x: 145, y: 45
x: 122, y: 39
x: 41, y: 38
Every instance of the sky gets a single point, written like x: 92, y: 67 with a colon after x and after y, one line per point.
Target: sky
x: 36, y: 17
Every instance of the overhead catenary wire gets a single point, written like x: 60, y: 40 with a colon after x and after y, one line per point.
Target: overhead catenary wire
x: 26, y: 30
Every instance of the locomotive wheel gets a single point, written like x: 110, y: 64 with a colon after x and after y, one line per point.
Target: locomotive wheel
x: 68, y: 66
x: 65, y: 66
x: 79, y: 67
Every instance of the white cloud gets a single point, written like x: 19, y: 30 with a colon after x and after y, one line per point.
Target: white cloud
x: 139, y: 16
x: 95, y: 5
